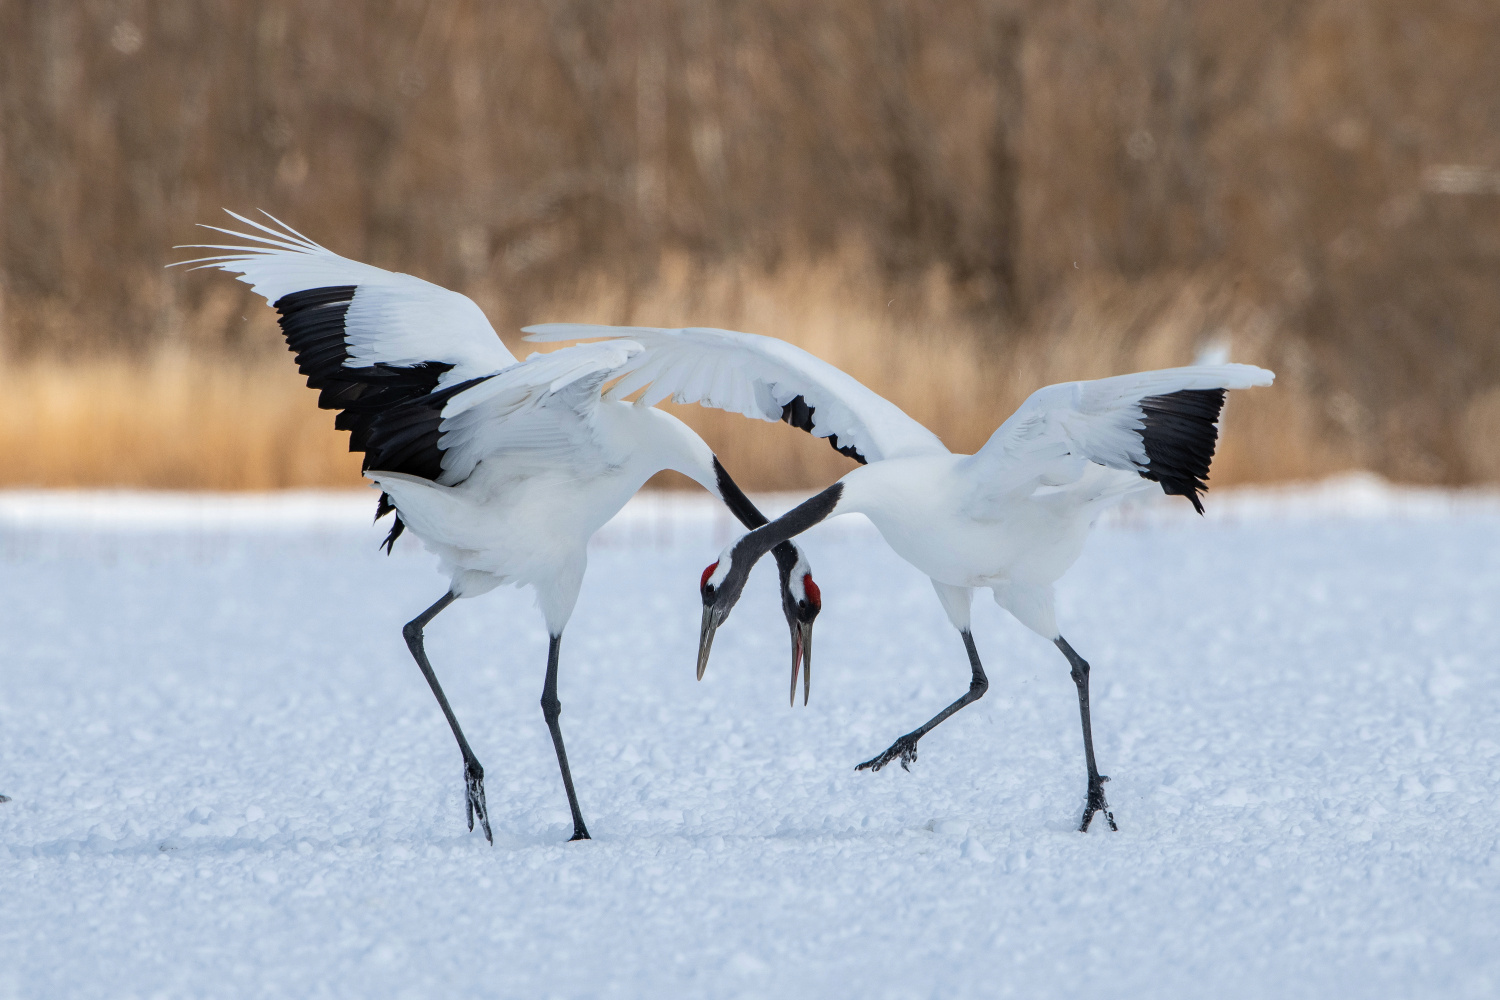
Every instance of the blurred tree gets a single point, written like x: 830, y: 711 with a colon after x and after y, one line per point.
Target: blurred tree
x: 1332, y: 164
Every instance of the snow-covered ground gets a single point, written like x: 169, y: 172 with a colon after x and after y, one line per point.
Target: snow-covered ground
x: 228, y: 778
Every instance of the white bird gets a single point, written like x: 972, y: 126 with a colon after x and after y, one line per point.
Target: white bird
x: 503, y: 468
x: 1011, y: 518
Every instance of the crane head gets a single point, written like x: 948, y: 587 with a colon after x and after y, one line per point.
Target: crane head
x: 720, y: 587
x: 801, y: 600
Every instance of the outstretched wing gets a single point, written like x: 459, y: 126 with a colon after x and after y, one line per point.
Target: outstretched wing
x: 1160, y: 424
x: 543, y: 407
x: 759, y: 377
x: 370, y: 340
x: 352, y: 324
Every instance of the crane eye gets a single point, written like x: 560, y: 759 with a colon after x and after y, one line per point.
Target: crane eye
x: 703, y: 582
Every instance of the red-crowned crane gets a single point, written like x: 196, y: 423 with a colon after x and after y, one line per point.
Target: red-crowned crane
x: 503, y: 468
x: 1011, y: 518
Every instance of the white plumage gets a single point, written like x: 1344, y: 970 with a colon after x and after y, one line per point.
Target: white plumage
x: 1060, y: 429
x: 503, y: 468
x: 397, y: 319
x: 757, y: 377
x: 1011, y: 518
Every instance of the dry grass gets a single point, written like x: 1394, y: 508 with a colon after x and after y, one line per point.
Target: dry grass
x: 219, y: 421
x: 174, y: 421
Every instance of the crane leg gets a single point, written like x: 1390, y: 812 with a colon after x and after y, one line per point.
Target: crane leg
x: 1096, y: 802
x: 473, y: 771
x: 551, y: 709
x: 905, y: 749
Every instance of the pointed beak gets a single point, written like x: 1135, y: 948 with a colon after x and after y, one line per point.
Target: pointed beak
x: 801, y: 656
x: 711, y: 620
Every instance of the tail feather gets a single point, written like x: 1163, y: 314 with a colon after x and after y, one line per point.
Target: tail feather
x: 383, y: 506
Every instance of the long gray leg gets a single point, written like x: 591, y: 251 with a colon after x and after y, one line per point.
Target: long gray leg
x: 1096, y: 801
x: 906, y: 747
x: 551, y: 709
x: 473, y: 771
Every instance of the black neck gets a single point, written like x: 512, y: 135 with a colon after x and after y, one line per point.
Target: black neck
x: 787, y: 526
x: 734, y: 498
x: 750, y: 516
x: 748, y: 550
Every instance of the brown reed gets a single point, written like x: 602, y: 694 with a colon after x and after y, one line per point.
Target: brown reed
x: 199, y: 420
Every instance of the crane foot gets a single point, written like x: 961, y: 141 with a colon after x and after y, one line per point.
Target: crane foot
x: 474, y: 785
x: 1097, y: 804
x: 904, y: 749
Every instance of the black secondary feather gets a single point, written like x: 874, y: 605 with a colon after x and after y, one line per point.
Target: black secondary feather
x: 1181, y: 429
x: 383, y: 506
x: 404, y: 438
x: 799, y: 415
x: 313, y: 322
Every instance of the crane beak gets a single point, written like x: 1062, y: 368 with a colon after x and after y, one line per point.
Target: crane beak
x: 711, y: 620
x: 801, y: 656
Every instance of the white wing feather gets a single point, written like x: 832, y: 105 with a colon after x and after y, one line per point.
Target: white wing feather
x: 1060, y: 428
x: 394, y: 319
x: 756, y: 376
x: 544, y: 406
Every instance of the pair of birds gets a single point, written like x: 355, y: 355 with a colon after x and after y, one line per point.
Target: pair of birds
x: 506, y: 468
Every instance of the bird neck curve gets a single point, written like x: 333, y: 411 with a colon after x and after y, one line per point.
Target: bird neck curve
x: 805, y: 515
x: 667, y: 443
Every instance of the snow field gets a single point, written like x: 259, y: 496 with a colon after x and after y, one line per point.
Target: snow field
x: 228, y: 778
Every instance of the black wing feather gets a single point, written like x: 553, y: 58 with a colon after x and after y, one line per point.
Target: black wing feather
x: 313, y: 322
x: 799, y: 415
x: 391, y: 412
x: 404, y: 438
x: 1180, y: 432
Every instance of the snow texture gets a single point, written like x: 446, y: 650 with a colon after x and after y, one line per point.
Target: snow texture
x: 228, y: 779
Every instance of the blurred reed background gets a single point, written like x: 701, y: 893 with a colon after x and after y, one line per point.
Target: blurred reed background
x: 955, y: 200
